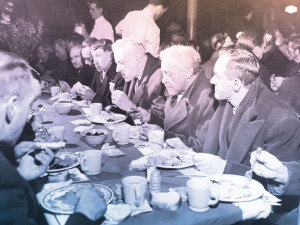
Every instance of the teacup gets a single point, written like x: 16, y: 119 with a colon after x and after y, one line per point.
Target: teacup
x: 95, y: 109
x: 91, y: 162
x: 121, y: 134
x: 58, y: 131
x: 202, y: 193
x: 64, y: 96
x: 54, y: 91
x: 134, y: 190
x: 44, y: 84
x: 156, y: 139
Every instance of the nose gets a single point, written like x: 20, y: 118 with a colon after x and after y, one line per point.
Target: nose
x: 118, y: 69
x: 212, y: 80
x: 164, y: 79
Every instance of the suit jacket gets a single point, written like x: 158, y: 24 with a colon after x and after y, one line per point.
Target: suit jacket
x: 18, y: 203
x: 191, y: 114
x: 150, y: 86
x: 103, y: 94
x: 265, y: 122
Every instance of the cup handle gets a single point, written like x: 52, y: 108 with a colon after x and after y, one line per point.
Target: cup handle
x: 82, y: 164
x: 46, y: 84
x: 137, y: 193
x: 215, y: 195
x: 115, y: 135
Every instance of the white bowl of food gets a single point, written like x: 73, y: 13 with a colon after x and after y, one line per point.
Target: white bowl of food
x: 94, y: 136
x: 63, y: 107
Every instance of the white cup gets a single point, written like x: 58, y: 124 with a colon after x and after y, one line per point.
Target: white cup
x: 95, y: 109
x: 202, y: 193
x: 64, y: 96
x: 121, y: 134
x: 156, y: 139
x: 54, y: 91
x: 58, y: 131
x: 90, y: 162
x: 44, y: 84
x: 134, y: 190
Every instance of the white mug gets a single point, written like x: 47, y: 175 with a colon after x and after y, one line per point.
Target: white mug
x: 134, y: 190
x: 64, y: 96
x: 58, y: 131
x: 156, y: 139
x: 54, y: 91
x: 90, y: 162
x: 95, y: 109
x: 202, y: 193
x: 44, y: 84
x: 121, y: 134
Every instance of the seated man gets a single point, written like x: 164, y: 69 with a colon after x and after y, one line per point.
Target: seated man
x: 18, y: 202
x: 106, y: 73
x: 249, y: 116
x: 86, y: 51
x: 82, y: 73
x: 136, y: 65
x: 190, y: 102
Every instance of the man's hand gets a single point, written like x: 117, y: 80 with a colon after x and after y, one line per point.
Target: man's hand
x: 86, y: 93
x: 33, y: 166
x: 268, y: 166
x: 90, y: 204
x: 176, y: 143
x: 140, y: 113
x: 209, y: 163
x: 65, y: 87
x: 24, y: 147
x: 145, y: 128
x: 120, y: 99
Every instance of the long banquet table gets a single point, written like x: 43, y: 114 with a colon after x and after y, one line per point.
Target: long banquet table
x: 114, y: 169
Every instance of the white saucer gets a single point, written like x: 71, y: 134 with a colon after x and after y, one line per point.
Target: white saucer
x: 123, y: 143
x: 95, y: 173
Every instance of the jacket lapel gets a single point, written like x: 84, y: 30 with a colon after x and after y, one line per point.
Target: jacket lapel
x: 244, y: 136
x: 177, y: 112
x: 139, y: 92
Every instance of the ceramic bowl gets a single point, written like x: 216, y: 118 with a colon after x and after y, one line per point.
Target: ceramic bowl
x: 94, y: 136
x: 63, y: 107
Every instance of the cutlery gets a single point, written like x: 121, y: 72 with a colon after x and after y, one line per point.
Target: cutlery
x: 249, y: 173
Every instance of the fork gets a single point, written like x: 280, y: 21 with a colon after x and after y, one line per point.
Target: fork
x: 249, y: 173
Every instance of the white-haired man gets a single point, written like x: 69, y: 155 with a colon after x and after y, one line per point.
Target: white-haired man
x: 190, y: 103
x: 140, y: 24
x: 18, y: 204
x: 136, y: 65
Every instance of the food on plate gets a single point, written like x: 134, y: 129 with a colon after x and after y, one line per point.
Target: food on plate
x: 107, y: 117
x: 42, y: 135
x: 53, y: 145
x: 173, y: 158
x: 62, y: 160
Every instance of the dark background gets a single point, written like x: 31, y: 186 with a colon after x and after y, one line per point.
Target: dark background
x: 59, y: 16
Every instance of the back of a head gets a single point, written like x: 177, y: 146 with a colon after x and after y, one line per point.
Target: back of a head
x: 88, y: 42
x: 250, y: 39
x: 15, y: 76
x: 243, y: 65
x: 103, y: 44
x: 129, y: 46
x: 182, y: 56
x: 74, y: 39
x: 60, y: 43
x: 164, y: 3
x: 295, y: 40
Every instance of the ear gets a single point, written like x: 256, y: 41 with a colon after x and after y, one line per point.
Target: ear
x: 189, y: 73
x: 296, y: 52
x: 237, y: 84
x: 11, y: 108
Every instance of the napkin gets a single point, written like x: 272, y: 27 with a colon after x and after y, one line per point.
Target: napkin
x: 141, y: 209
x: 81, y: 122
x: 139, y: 164
x: 111, y: 150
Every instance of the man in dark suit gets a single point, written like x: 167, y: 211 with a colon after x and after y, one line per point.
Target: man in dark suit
x: 18, y: 204
x: 139, y: 68
x: 106, y: 73
x: 248, y: 116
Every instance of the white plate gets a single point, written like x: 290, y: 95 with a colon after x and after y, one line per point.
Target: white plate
x: 77, y: 155
x: 235, y: 188
x: 104, y: 117
x: 182, y: 166
x: 64, y: 199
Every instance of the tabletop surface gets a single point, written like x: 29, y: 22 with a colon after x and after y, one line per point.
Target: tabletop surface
x: 114, y: 169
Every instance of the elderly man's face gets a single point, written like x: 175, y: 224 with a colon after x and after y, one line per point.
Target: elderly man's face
x: 60, y: 53
x: 75, y: 57
x: 223, y: 86
x: 94, y: 11
x: 42, y: 55
x: 87, y: 56
x: 174, y: 76
x: 102, y: 59
x: 127, y: 64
